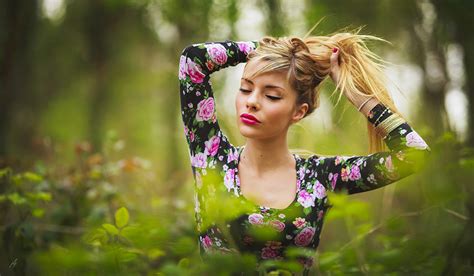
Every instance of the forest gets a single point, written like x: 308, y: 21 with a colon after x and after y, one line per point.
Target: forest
x: 95, y: 175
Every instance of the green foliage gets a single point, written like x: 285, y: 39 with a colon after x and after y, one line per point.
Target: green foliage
x: 160, y: 241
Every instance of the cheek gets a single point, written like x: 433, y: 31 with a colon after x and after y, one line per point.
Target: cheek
x: 237, y: 103
x: 281, y: 113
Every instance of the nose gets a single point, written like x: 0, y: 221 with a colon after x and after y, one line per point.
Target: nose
x: 253, y: 101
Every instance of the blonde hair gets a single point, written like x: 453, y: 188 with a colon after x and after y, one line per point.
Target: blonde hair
x: 307, y: 63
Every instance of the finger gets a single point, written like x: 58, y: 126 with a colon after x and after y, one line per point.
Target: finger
x: 334, y: 63
x: 335, y: 58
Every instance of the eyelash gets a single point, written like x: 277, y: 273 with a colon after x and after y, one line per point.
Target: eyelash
x: 273, y: 98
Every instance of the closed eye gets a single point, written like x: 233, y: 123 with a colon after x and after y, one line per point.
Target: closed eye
x: 273, y: 98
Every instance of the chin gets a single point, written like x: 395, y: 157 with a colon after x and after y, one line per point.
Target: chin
x: 249, y: 132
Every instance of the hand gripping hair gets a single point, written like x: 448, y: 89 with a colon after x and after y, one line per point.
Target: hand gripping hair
x: 307, y: 63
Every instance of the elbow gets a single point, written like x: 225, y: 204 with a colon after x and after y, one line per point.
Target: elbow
x: 189, y: 50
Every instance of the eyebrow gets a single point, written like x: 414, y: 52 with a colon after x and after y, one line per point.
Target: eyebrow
x: 266, y: 86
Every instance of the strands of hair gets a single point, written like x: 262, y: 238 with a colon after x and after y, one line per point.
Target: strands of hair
x: 307, y: 63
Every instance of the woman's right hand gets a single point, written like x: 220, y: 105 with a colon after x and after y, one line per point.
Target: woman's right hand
x: 356, y: 99
x: 335, y: 69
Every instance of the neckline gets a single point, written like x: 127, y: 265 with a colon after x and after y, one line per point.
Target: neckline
x: 239, y: 191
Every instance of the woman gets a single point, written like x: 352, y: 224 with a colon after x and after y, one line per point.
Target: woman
x: 260, y: 198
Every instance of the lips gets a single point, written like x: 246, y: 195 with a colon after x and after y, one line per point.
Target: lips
x: 249, y: 119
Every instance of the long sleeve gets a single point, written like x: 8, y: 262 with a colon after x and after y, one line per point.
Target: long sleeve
x: 406, y: 155
x: 197, y: 63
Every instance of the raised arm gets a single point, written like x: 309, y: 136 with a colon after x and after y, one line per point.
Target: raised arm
x: 196, y: 64
x: 356, y: 174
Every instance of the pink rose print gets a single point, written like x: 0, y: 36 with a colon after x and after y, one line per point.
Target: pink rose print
x: 320, y: 214
x: 271, y: 250
x: 305, y: 236
x: 268, y: 253
x: 319, y: 190
x: 217, y: 53
x: 278, y: 225
x: 212, y: 145
x: 345, y: 174
x: 307, y: 262
x: 355, y: 173
x: 400, y: 155
x: 209, y: 65
x: 305, y: 199
x: 233, y: 156
x: 245, y: 47
x: 229, y: 179
x: 338, y: 160
x: 182, y: 68
x: 389, y: 164
x: 214, y: 118
x: 199, y: 160
x: 299, y: 222
x: 194, y: 72
x: 415, y: 141
x: 205, y: 109
x: 206, y: 242
x: 248, y: 240
x: 301, y: 173
x: 256, y: 219
x: 333, y: 179
x: 191, y: 136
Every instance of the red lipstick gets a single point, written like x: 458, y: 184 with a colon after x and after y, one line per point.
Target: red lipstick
x: 249, y: 119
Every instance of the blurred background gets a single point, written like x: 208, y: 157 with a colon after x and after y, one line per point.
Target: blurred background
x: 94, y: 170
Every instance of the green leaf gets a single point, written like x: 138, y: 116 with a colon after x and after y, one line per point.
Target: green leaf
x: 110, y: 228
x: 44, y: 196
x: 5, y: 171
x: 33, y: 177
x: 307, y: 210
x: 40, y: 196
x: 16, y: 199
x: 38, y: 212
x: 121, y: 217
x: 17, y: 179
x: 183, y: 263
x: 155, y: 253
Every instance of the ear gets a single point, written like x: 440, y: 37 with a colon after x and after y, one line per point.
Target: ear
x: 300, y: 112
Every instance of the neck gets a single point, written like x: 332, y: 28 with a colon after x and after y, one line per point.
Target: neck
x: 266, y: 155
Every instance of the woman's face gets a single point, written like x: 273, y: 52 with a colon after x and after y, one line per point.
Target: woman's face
x: 270, y: 100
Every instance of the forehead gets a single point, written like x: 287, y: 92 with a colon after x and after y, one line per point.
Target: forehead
x: 253, y: 67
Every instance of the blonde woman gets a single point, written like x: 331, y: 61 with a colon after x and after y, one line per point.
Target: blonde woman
x: 260, y: 198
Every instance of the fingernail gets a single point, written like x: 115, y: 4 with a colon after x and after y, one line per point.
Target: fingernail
x: 334, y: 50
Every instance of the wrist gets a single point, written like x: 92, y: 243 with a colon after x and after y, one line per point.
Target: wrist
x: 364, y: 103
x: 369, y: 105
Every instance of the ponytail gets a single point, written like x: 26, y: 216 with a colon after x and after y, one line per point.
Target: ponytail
x: 360, y: 71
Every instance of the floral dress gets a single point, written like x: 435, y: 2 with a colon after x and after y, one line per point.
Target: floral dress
x: 227, y: 222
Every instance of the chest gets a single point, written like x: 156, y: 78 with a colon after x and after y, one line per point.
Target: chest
x: 274, y: 190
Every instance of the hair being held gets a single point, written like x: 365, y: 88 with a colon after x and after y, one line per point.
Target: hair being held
x: 307, y: 63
